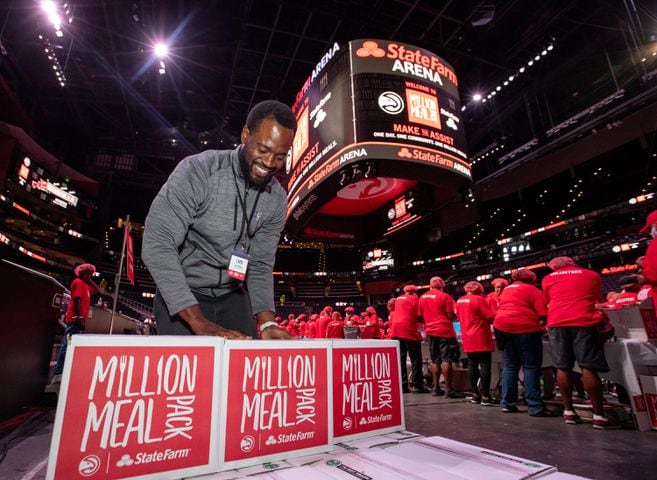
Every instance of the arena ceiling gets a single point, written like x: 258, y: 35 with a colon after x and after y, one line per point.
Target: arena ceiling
x: 225, y: 56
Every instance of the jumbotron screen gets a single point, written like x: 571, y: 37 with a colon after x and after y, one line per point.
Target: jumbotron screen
x: 391, y: 108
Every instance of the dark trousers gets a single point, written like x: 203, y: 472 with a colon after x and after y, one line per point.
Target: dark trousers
x: 413, y: 349
x: 479, y: 367
x: 71, y: 329
x: 232, y: 310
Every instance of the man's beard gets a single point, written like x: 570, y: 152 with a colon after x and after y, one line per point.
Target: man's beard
x: 247, y: 169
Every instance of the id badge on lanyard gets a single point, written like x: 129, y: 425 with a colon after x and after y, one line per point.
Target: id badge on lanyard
x: 239, y: 263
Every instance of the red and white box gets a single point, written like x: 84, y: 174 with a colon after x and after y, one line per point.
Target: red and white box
x: 137, y: 407
x: 277, y: 399
x: 649, y: 387
x: 367, y: 393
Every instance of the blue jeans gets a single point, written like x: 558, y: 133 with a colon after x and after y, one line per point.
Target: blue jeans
x: 522, y: 350
x: 71, y: 329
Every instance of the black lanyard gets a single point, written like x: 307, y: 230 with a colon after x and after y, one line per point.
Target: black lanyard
x: 246, y: 220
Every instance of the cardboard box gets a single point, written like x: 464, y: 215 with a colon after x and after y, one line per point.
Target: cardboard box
x: 346, y: 466
x: 437, y: 457
x: 634, y: 322
x: 137, y: 407
x: 563, y: 476
x: 367, y: 393
x: 277, y: 399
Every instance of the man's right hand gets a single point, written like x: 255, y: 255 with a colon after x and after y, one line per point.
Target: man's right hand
x: 202, y: 326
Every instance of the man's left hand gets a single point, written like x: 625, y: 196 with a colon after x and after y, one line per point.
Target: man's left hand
x: 275, y: 333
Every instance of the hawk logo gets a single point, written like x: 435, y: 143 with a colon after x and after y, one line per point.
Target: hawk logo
x: 370, y: 48
x: 89, y: 465
x: 247, y: 443
x: 391, y: 103
x: 347, y: 423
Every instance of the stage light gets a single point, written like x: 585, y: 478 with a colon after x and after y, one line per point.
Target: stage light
x: 161, y: 50
x: 550, y: 47
x: 476, y: 97
x: 537, y: 58
x: 522, y: 70
x: 530, y: 63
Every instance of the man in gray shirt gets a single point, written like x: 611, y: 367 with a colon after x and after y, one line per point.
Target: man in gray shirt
x: 211, y: 234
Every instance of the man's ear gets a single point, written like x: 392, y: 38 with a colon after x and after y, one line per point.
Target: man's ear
x: 244, y: 135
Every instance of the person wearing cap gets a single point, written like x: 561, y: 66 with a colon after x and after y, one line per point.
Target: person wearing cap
x: 404, y: 329
x: 571, y: 293
x: 335, y: 327
x: 211, y: 233
x: 649, y: 271
x: 387, y: 330
x: 519, y: 325
x: 499, y: 284
x: 437, y: 309
x: 82, y: 288
x: 475, y: 316
x: 311, y: 329
x: 323, y: 321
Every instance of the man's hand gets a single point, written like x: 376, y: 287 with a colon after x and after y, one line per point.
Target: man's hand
x: 275, y: 333
x: 212, y: 329
x: 202, y: 326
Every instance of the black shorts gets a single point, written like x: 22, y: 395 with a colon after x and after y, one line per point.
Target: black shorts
x: 577, y: 343
x: 444, y: 349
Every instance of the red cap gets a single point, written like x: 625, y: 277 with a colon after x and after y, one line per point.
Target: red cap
x: 85, y: 266
x: 651, y: 219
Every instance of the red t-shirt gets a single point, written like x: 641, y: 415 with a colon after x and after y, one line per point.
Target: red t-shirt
x: 475, y: 316
x: 334, y: 329
x: 649, y: 271
x: 405, y: 323
x: 292, y: 328
x: 493, y: 300
x: 321, y: 325
x: 311, y: 329
x: 520, y: 307
x: 571, y: 294
x: 434, y: 307
x: 83, y: 291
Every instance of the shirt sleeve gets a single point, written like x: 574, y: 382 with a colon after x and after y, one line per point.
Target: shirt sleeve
x: 168, y: 220
x: 77, y: 289
x: 539, y: 302
x: 449, y: 304
x: 259, y: 277
x: 485, y: 309
x: 650, y: 264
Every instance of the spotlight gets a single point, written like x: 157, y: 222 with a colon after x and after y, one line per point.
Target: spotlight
x: 476, y: 97
x: 161, y: 50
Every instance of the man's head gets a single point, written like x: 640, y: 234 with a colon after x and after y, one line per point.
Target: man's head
x: 85, y: 271
x: 651, y: 224
x: 266, y: 139
x: 561, y: 262
x: 437, y: 282
x: 498, y: 285
x: 410, y: 289
x: 391, y: 305
x: 474, y: 287
x: 523, y: 275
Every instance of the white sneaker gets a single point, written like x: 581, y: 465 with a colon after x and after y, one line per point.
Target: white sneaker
x: 56, y: 379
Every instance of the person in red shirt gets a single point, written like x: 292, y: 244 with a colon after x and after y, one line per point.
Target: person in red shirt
x: 391, y: 314
x: 499, y: 284
x: 324, y: 319
x: 519, y: 326
x: 437, y: 310
x: 334, y: 329
x: 311, y: 328
x: 649, y: 271
x: 404, y: 329
x: 293, y: 327
x: 475, y: 317
x: 571, y: 293
x: 82, y: 288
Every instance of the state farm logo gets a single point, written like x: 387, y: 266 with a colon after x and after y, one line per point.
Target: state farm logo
x: 404, y: 153
x: 270, y: 440
x: 89, y: 465
x: 370, y: 48
x: 347, y: 423
x: 247, y: 443
x: 125, y: 461
x: 391, y: 102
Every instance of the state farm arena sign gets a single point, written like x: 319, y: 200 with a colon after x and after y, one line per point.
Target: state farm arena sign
x: 391, y: 104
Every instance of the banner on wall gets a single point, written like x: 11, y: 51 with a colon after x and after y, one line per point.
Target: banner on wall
x: 279, y: 397
x: 130, y: 410
x: 367, y: 394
